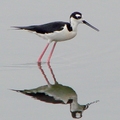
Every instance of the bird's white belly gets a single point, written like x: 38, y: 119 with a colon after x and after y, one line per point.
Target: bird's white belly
x: 58, y: 36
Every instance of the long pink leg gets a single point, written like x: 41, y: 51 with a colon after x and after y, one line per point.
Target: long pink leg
x: 39, y: 60
x: 51, y: 52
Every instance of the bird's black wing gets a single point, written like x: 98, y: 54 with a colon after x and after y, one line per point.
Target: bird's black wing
x: 45, y: 28
x: 46, y: 98
x: 42, y: 96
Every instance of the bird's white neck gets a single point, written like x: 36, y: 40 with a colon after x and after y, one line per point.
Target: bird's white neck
x: 74, y: 105
x: 74, y: 23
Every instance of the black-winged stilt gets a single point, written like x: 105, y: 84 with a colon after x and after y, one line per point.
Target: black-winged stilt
x: 57, y: 31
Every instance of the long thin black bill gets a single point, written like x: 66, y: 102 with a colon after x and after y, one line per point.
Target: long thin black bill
x: 93, y: 102
x: 90, y: 25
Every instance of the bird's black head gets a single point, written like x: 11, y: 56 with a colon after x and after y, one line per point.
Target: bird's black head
x: 76, y: 15
x: 76, y: 114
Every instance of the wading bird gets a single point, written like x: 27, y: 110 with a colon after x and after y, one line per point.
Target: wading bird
x: 57, y: 94
x: 57, y: 31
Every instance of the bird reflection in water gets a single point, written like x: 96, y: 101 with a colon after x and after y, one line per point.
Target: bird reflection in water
x: 57, y: 94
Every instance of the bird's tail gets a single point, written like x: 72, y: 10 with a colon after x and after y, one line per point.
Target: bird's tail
x: 18, y: 27
x: 21, y: 91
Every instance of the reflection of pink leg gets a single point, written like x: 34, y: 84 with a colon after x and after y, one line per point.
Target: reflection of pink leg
x: 39, y: 60
x: 52, y: 73
x: 40, y: 67
x: 51, y: 52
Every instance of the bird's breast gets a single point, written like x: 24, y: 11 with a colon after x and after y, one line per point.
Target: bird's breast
x: 64, y: 35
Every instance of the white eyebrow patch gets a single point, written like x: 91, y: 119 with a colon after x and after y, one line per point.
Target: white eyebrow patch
x: 77, y: 15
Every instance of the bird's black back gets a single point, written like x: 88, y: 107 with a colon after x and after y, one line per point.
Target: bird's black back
x: 47, y: 28
x: 46, y: 98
